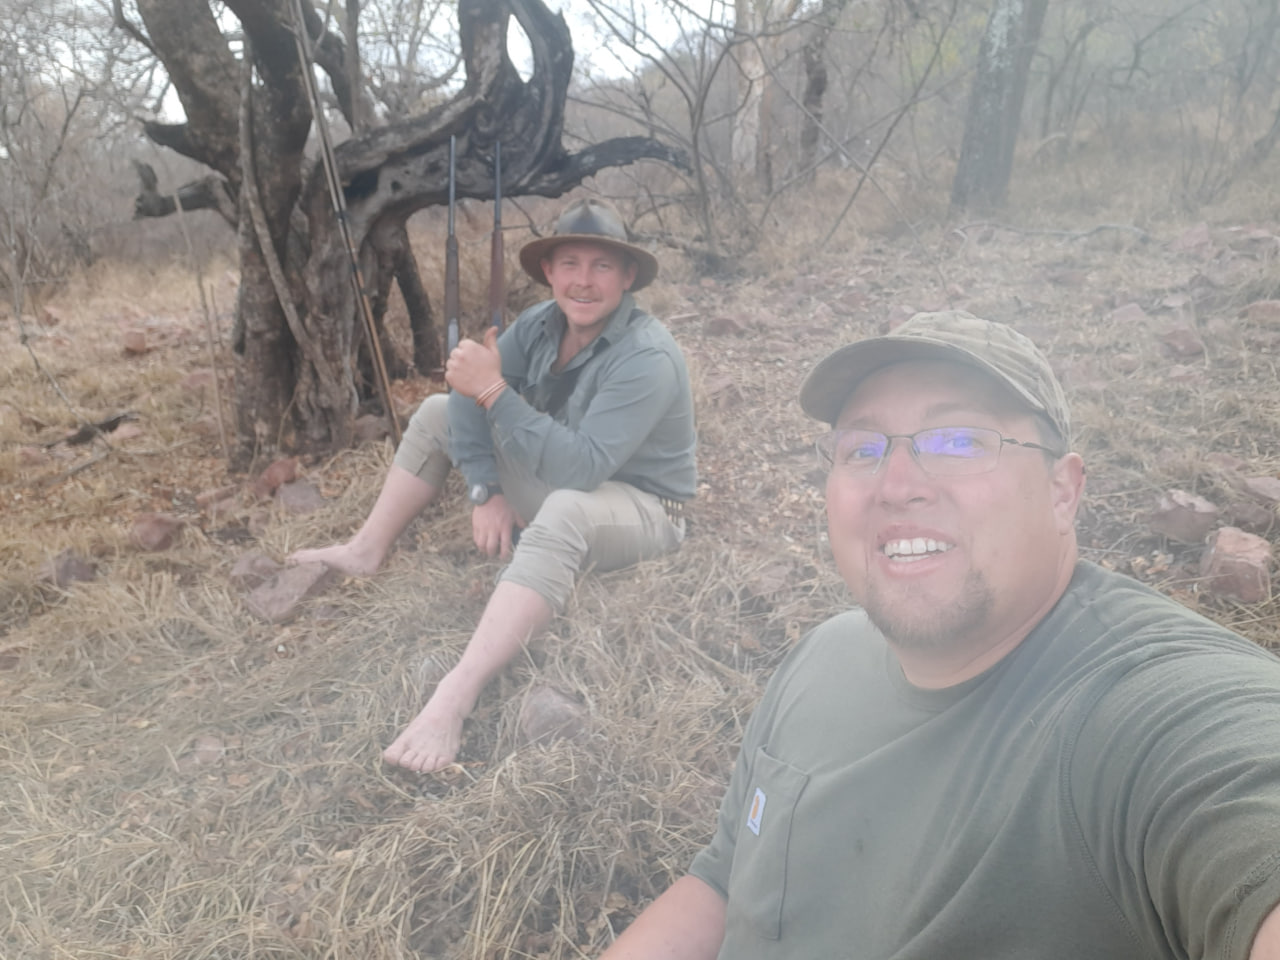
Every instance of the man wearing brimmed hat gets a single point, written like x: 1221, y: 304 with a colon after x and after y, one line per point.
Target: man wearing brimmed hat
x: 1005, y: 751
x: 574, y: 429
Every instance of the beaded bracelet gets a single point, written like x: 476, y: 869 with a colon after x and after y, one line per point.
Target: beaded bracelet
x: 489, y: 392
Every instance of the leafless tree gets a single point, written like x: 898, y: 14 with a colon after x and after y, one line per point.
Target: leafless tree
x: 66, y: 86
x: 248, y: 120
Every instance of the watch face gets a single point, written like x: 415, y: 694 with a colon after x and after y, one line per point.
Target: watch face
x: 478, y: 494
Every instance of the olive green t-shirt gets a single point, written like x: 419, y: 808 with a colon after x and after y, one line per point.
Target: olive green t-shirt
x: 1110, y: 790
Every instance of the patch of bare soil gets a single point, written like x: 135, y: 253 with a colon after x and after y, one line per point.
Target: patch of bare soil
x: 180, y: 779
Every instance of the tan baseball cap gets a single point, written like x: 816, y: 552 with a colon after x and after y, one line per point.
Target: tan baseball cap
x: 949, y: 335
x: 591, y: 221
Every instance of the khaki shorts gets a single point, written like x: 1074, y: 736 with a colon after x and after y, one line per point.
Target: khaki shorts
x: 610, y: 527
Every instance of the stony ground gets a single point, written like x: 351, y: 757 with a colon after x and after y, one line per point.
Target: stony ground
x: 181, y: 777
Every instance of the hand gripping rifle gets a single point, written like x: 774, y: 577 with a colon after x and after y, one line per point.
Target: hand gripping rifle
x: 497, y: 287
x: 451, y: 297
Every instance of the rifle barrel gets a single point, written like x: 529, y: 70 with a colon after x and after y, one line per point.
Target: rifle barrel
x: 452, y: 305
x: 497, y: 281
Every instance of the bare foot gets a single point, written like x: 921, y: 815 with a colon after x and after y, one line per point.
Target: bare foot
x: 430, y: 742
x: 349, y: 558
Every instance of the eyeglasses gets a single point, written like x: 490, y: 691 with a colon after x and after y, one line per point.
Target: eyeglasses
x: 940, y: 451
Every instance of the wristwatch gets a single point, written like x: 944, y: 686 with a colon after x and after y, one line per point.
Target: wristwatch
x: 481, y: 492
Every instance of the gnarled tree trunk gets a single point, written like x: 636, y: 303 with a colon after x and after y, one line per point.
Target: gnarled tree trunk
x: 248, y: 119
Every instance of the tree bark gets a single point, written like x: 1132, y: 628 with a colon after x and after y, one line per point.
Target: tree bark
x: 814, y: 57
x: 995, y: 105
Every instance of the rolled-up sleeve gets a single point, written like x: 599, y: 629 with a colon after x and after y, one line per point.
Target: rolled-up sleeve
x: 470, y: 442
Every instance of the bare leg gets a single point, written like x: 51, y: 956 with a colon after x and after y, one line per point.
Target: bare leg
x: 402, y: 498
x: 513, y: 616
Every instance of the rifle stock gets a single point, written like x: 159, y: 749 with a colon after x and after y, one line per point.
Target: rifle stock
x: 451, y: 293
x: 497, y: 285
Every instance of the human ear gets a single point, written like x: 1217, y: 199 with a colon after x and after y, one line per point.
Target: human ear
x: 1066, y: 488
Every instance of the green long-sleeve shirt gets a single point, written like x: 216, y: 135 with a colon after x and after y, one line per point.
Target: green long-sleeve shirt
x: 627, y: 416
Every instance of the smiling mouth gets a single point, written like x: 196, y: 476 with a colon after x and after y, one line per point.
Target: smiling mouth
x: 916, y: 548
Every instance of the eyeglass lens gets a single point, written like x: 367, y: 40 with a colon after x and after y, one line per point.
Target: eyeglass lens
x: 946, y: 450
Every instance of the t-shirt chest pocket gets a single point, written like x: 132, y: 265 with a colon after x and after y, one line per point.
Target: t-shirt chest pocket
x: 758, y: 878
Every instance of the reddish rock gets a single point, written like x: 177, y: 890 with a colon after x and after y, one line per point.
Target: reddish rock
x: 1184, y: 516
x: 722, y: 326
x: 134, y: 342
x: 67, y: 568
x: 1126, y: 362
x: 371, y: 428
x: 50, y: 317
x: 1130, y: 313
x: 208, y: 749
x: 253, y: 569
x: 155, y: 531
x: 548, y: 714
x: 197, y: 380
x: 1266, y: 489
x: 127, y: 431
x: 1193, y: 239
x: 1237, y: 564
x: 1182, y: 341
x: 1263, y: 312
x: 284, y: 470
x: 281, y: 597
x: 299, y: 497
x: 206, y: 498
x: 32, y: 456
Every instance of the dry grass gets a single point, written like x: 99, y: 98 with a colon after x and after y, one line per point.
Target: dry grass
x: 180, y: 780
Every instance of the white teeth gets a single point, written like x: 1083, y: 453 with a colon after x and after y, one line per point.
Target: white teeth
x: 918, y: 546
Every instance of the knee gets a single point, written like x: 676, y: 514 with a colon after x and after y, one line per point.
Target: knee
x: 430, y: 422
x: 562, y: 523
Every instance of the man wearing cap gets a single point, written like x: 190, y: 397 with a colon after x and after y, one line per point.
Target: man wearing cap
x: 574, y: 427
x: 1004, y: 751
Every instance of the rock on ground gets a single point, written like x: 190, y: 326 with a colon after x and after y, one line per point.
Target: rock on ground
x: 1237, y: 564
x: 1183, y: 516
x: 253, y: 569
x: 155, y: 531
x: 67, y: 568
x: 280, y: 598
x: 548, y: 714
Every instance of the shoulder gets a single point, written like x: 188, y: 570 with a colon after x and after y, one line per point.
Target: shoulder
x: 1152, y: 665
x: 649, y: 343
x: 1130, y: 618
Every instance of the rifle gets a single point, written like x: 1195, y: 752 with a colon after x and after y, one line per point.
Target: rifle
x: 451, y: 294
x: 497, y: 288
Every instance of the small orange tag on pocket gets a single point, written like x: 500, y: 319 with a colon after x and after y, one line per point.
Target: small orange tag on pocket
x: 757, y: 812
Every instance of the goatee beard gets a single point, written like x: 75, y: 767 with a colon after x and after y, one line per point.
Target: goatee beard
x: 922, y: 624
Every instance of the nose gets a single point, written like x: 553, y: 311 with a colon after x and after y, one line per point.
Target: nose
x: 901, y: 478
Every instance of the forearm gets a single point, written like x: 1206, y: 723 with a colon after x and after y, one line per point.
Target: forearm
x: 470, y: 444
x: 1266, y: 945
x: 685, y: 923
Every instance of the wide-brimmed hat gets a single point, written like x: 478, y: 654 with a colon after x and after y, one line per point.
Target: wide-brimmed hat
x: 950, y: 335
x: 589, y: 221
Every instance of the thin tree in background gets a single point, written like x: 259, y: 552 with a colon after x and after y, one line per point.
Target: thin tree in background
x: 995, y: 105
